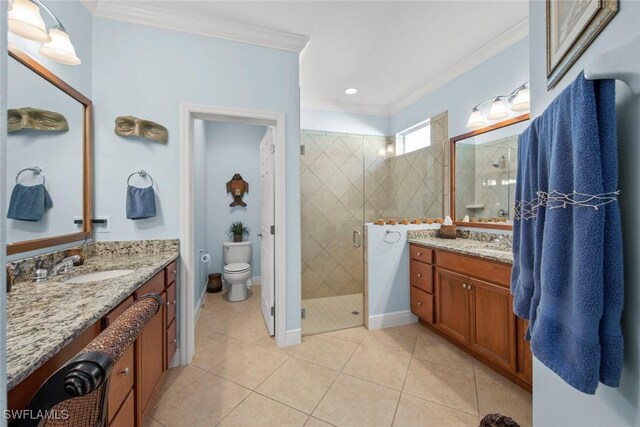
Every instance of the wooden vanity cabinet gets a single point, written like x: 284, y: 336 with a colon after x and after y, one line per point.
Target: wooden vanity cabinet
x: 473, y: 309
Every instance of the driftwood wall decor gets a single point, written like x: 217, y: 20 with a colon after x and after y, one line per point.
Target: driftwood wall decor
x: 133, y: 126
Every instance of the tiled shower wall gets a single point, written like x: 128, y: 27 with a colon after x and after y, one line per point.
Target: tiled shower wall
x: 346, y: 180
x: 478, y: 182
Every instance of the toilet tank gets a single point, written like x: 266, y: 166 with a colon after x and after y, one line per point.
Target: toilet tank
x: 236, y: 252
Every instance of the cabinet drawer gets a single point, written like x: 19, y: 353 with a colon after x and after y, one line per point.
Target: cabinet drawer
x: 154, y: 285
x: 172, y: 341
x: 121, y: 382
x: 487, y: 270
x: 422, y: 304
x: 126, y: 415
x: 420, y: 253
x: 171, y: 303
x: 171, y: 270
x: 421, y: 276
x: 116, y: 312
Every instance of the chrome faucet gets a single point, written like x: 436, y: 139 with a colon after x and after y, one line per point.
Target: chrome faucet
x: 64, y: 265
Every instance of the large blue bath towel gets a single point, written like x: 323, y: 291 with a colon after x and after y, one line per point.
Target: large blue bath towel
x: 568, y: 267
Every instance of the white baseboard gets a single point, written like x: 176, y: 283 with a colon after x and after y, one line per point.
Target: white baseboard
x: 389, y: 320
x: 175, y: 362
x: 200, y: 305
x: 291, y: 337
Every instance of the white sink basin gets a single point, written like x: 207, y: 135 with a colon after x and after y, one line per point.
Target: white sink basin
x: 99, y: 275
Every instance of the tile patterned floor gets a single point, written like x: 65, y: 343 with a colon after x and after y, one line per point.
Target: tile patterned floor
x: 332, y: 313
x: 403, y: 376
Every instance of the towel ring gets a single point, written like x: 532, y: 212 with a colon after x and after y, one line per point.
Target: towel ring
x: 143, y: 173
x: 36, y: 170
x: 392, y: 232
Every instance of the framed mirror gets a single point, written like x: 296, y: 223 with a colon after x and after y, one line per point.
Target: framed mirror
x: 48, y: 158
x: 483, y: 174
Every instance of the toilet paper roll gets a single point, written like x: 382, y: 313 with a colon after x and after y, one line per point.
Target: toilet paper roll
x: 205, y: 258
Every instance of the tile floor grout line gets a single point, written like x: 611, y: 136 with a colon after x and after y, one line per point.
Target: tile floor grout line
x: 475, y: 383
x: 404, y: 381
x: 438, y: 403
x: 333, y: 382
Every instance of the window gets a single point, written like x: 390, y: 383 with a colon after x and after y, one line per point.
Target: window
x: 414, y: 138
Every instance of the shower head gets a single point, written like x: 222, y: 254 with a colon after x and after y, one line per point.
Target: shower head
x: 501, y: 163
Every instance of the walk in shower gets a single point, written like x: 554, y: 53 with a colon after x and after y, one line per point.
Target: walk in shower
x: 347, y: 180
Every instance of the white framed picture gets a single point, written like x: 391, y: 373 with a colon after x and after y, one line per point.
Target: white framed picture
x: 571, y: 27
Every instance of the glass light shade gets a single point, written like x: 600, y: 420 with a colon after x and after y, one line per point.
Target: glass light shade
x: 522, y: 101
x: 498, y: 110
x: 475, y: 119
x: 60, y: 49
x: 25, y: 21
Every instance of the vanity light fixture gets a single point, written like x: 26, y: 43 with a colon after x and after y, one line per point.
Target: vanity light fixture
x: 498, y: 110
x: 351, y: 91
x: 518, y: 99
x: 25, y: 21
x: 522, y: 100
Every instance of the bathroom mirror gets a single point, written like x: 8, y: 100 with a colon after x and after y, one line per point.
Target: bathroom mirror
x: 48, y: 142
x: 483, y: 174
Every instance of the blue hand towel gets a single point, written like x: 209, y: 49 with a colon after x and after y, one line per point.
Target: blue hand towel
x: 29, y: 203
x: 141, y: 202
x: 568, y: 262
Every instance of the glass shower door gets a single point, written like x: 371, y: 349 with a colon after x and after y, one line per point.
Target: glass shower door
x: 332, y: 207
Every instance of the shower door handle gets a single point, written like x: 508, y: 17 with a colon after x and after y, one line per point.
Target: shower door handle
x: 356, y: 238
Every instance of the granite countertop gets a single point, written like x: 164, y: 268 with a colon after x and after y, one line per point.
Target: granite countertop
x: 483, y: 249
x: 44, y: 317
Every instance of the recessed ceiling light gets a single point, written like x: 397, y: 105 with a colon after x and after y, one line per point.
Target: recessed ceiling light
x: 351, y: 91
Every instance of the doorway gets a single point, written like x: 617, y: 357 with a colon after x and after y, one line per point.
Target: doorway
x: 191, y: 270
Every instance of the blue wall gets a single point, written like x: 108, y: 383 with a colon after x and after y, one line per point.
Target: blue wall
x: 498, y: 75
x: 148, y: 72
x: 336, y: 121
x: 232, y: 148
x: 554, y: 402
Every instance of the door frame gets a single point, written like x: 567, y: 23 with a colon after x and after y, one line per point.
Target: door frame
x: 188, y: 113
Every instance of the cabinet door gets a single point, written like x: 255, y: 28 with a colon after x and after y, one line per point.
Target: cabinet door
x: 151, y: 357
x: 525, y: 362
x: 452, y: 305
x: 492, y: 323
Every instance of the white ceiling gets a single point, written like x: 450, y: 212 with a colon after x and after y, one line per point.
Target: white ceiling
x: 393, y: 52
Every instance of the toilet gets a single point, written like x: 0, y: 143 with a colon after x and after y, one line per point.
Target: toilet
x: 237, y: 270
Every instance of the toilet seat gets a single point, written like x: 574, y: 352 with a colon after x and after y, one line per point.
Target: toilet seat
x: 238, y: 267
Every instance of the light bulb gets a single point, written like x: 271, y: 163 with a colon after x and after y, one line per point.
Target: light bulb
x: 60, y: 49
x: 522, y: 100
x: 475, y: 119
x: 25, y: 21
x: 498, y: 110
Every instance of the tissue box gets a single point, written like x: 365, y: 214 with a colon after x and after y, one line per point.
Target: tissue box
x: 447, y: 231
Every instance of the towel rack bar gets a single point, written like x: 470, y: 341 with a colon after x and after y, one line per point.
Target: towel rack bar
x: 622, y: 63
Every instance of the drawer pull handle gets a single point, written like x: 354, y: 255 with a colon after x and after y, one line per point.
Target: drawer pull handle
x: 125, y: 372
x: 419, y: 253
x: 419, y: 274
x: 172, y: 302
x: 464, y: 286
x: 419, y: 303
x: 175, y: 340
x: 174, y: 271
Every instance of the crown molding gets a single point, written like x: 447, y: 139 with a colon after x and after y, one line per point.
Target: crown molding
x: 178, y: 21
x: 512, y: 35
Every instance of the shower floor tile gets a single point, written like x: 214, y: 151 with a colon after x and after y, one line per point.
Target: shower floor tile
x: 332, y: 313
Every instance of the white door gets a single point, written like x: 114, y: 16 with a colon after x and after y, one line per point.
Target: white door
x: 267, y: 247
